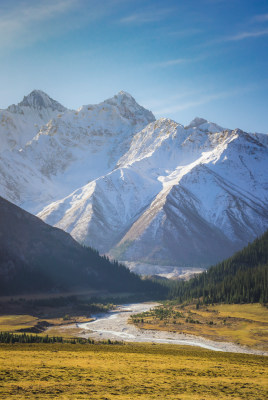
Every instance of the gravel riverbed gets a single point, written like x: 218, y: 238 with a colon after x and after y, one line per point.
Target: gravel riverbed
x: 114, y: 326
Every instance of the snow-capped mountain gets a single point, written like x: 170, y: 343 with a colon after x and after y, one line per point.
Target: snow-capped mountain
x: 178, y: 196
x: 20, y: 123
x: 72, y: 149
x: 143, y: 190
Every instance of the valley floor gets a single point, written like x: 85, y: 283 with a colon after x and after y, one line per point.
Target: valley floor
x: 243, y: 326
x: 232, y: 336
x: 129, y: 371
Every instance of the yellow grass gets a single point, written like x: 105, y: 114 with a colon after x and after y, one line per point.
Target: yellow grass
x: 244, y: 324
x: 252, y: 312
x: 13, y: 323
x: 131, y: 371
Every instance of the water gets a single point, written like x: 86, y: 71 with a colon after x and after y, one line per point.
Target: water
x: 113, y: 325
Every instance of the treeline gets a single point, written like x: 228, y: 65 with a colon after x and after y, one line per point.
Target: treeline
x: 80, y: 303
x: 242, y: 278
x: 7, y: 337
x: 118, y: 278
x: 81, y: 268
x: 37, y: 258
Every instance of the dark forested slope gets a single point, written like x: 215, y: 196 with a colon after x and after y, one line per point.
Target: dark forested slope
x: 35, y: 257
x: 241, y: 278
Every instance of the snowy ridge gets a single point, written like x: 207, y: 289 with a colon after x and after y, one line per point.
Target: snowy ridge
x: 203, y: 190
x: 20, y: 123
x: 71, y: 150
x: 139, y: 189
x: 38, y: 100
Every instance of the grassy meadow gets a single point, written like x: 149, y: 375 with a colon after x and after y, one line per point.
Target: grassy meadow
x: 140, y: 371
x: 13, y: 323
x: 129, y: 371
x: 244, y: 324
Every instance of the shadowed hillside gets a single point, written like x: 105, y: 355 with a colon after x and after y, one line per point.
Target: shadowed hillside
x: 35, y: 257
x: 242, y: 278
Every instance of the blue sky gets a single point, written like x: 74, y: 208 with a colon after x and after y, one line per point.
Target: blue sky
x: 180, y: 59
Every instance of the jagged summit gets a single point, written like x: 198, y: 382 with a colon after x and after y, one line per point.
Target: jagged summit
x: 123, y: 97
x: 197, y: 121
x: 124, y: 94
x: 129, y: 108
x: 21, y: 122
x: 204, y: 125
x: 38, y: 99
x: 120, y: 105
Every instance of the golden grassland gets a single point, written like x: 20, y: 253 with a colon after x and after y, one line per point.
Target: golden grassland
x: 244, y: 324
x: 14, y: 323
x: 129, y: 371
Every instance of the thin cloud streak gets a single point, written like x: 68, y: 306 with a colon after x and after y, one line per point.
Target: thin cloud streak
x: 32, y: 22
x: 170, y: 63
x: 157, y: 102
x: 144, y: 17
x: 18, y: 23
x: 202, y: 100
x: 190, y: 104
x: 177, y: 61
x: 260, y: 18
x: 21, y: 16
x: 237, y: 37
x: 183, y: 33
x: 247, y: 35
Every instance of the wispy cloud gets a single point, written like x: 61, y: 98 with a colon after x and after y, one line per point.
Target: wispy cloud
x: 176, y: 61
x: 17, y: 23
x: 159, y: 103
x: 260, y: 18
x: 170, y: 63
x: 146, y: 16
x: 237, y: 37
x: 189, y: 104
x: 18, y: 18
x: 29, y: 21
x: 184, y: 32
x: 201, y: 100
x: 246, y: 35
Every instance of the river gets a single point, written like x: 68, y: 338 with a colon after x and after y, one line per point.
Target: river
x: 114, y: 326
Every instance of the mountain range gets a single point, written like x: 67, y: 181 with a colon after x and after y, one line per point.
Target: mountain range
x: 138, y: 189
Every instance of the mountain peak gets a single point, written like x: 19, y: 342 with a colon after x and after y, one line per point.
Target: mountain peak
x: 122, y: 93
x: 197, y: 121
x: 204, y: 125
x: 38, y: 99
x: 129, y: 108
x: 123, y: 97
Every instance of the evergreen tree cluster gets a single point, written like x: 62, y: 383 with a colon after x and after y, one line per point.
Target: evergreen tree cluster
x: 7, y: 337
x: 242, y: 278
x: 82, y: 268
x: 38, y: 258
